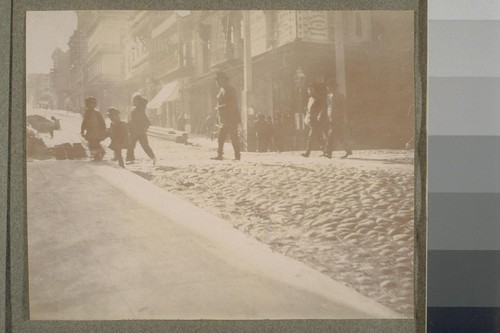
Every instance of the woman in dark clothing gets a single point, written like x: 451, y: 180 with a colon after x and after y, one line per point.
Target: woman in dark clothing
x: 138, y: 126
x: 93, y: 128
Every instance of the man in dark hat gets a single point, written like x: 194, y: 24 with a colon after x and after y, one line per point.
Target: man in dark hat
x: 118, y: 132
x: 93, y: 128
x: 337, y: 120
x: 229, y: 116
x: 315, y: 106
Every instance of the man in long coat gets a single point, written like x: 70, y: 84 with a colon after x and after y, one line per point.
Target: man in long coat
x: 229, y: 116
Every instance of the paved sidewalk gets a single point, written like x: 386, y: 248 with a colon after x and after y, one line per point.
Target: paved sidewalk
x: 106, y: 244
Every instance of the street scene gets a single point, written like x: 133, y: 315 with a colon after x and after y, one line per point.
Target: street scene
x: 221, y: 165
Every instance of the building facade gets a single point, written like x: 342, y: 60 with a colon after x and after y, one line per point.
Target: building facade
x: 39, y: 92
x: 369, y: 53
x: 170, y: 58
x: 61, y: 80
x: 104, y: 34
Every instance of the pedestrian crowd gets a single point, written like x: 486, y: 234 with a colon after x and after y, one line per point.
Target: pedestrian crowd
x: 123, y: 135
x: 325, y: 116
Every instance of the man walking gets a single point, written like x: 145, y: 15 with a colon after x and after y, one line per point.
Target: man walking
x: 229, y: 116
x: 337, y: 120
x: 313, y: 118
x: 138, y: 126
x: 93, y: 129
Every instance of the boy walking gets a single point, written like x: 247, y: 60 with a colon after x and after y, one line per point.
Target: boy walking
x: 118, y: 133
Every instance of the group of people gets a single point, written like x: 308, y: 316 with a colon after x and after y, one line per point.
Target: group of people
x: 327, y: 119
x: 123, y: 135
x: 273, y: 133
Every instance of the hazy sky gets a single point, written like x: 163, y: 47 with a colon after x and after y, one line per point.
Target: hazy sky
x: 44, y: 32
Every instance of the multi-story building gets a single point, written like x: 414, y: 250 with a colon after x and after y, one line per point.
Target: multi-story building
x: 170, y: 58
x: 61, y: 80
x: 39, y: 92
x: 369, y: 53
x: 160, y: 57
x: 77, y: 51
x: 104, y: 34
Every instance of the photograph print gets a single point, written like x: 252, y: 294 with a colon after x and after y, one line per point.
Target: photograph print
x: 220, y: 164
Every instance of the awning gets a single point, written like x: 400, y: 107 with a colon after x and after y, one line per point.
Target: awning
x: 168, y: 93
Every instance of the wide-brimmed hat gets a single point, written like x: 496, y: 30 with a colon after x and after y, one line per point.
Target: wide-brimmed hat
x: 220, y: 75
x: 112, y: 111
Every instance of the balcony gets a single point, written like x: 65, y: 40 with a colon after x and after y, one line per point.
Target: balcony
x: 166, y: 65
x: 226, y: 54
x: 104, y: 48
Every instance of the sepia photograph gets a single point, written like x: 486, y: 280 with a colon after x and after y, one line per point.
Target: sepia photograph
x: 220, y: 164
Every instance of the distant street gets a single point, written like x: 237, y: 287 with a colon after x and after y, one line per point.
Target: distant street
x: 350, y: 219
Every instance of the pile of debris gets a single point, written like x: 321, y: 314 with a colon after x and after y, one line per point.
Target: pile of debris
x: 36, y: 147
x: 168, y: 134
x: 41, y: 124
x: 68, y: 151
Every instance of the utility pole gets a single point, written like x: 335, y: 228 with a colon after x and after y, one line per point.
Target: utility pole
x: 339, y: 51
x: 247, y: 94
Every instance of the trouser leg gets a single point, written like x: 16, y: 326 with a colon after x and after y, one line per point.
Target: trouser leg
x: 221, y: 139
x: 131, y: 148
x: 235, y: 140
x: 143, y: 140
x: 119, y: 157
x: 329, y: 142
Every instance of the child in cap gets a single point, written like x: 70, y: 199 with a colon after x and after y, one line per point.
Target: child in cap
x: 118, y: 132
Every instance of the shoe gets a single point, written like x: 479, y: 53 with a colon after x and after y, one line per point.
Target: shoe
x: 305, y: 154
x: 347, y: 153
x: 154, y: 160
x: 327, y: 155
x: 217, y: 158
x: 99, y: 156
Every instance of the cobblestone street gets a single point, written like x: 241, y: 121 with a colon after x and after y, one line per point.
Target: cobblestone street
x: 350, y: 219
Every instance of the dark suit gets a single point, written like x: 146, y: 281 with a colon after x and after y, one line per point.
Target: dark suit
x: 93, y: 129
x: 229, y: 116
x: 314, y: 113
x: 138, y: 126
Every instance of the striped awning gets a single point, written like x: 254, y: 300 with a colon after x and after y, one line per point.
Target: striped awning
x: 168, y: 93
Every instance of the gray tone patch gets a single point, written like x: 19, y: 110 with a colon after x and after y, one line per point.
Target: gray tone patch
x: 464, y: 164
x: 463, y: 278
x: 464, y: 106
x: 448, y: 56
x: 464, y: 10
x: 460, y: 221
